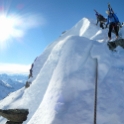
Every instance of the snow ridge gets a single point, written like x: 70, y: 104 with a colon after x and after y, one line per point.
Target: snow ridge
x: 63, y: 82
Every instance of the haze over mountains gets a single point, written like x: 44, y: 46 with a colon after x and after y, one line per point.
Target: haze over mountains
x: 10, y: 83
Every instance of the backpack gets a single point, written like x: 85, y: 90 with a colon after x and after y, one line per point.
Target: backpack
x: 101, y: 18
x: 113, y: 14
x: 115, y: 18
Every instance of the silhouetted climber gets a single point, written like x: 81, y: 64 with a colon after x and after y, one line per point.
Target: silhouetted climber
x: 100, y: 19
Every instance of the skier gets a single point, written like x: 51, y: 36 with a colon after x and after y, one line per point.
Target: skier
x: 113, y: 21
x: 100, y: 19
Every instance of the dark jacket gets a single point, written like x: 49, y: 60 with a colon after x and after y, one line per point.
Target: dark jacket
x: 100, y: 18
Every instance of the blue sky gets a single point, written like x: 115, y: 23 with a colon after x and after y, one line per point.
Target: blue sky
x: 51, y: 17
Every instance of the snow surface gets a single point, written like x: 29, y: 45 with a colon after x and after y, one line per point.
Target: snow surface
x: 63, y: 82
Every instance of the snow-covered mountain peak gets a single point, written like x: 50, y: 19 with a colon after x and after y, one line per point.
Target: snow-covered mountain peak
x: 83, y: 22
x: 87, y: 28
x: 2, y: 83
x: 63, y: 78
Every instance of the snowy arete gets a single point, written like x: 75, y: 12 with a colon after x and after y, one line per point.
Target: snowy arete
x: 62, y: 86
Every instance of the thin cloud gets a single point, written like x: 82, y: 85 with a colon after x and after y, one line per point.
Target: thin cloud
x: 23, y: 23
x: 14, y: 68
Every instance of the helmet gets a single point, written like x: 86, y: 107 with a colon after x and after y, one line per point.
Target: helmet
x: 108, y: 12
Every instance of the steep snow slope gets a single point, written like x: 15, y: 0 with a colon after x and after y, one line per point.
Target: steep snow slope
x: 84, y: 28
x: 111, y: 84
x: 69, y: 80
x: 63, y: 82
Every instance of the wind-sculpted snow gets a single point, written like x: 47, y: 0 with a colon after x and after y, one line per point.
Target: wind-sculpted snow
x: 111, y: 84
x: 87, y: 28
x: 63, y: 84
x: 69, y: 80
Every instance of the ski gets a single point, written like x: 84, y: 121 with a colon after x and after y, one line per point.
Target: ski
x: 95, y: 11
x: 110, y: 8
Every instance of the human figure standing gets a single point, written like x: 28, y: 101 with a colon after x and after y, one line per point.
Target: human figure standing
x: 100, y: 19
x: 113, y: 21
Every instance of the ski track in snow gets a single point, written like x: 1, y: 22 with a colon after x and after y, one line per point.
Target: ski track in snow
x: 63, y: 82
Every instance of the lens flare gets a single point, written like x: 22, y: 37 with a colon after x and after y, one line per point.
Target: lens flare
x: 6, y: 27
x: 13, y: 26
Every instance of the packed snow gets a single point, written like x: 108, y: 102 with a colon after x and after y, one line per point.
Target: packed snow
x: 62, y: 88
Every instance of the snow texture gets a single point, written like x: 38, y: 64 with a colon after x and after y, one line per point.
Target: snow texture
x: 63, y: 84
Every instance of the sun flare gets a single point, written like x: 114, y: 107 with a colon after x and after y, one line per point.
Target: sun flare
x: 6, y: 27
x: 14, y: 26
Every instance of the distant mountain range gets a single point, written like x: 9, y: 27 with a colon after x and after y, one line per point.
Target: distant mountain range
x: 10, y: 83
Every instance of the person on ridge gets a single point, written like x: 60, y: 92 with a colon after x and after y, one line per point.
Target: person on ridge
x: 113, y: 21
x: 100, y: 19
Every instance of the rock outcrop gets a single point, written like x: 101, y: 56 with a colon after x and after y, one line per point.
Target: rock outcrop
x: 15, y: 116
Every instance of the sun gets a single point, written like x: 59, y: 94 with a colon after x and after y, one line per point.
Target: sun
x: 14, y: 26
x: 6, y: 27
